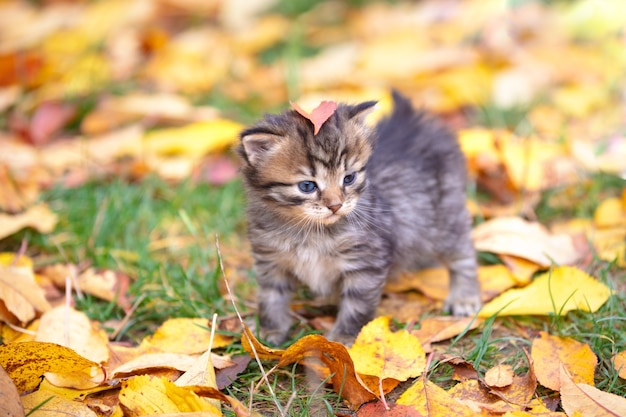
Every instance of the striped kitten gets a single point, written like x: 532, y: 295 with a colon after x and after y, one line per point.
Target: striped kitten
x: 345, y: 209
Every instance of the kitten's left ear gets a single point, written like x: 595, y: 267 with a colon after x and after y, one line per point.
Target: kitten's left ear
x: 360, y: 111
x: 256, y: 145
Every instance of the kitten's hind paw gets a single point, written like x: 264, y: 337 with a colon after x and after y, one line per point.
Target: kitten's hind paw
x: 344, y: 339
x: 463, y: 306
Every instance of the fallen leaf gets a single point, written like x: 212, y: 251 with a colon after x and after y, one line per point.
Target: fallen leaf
x: 522, y: 269
x: 226, y: 376
x: 431, y: 400
x: 377, y: 409
x: 27, y: 362
x: 184, y: 335
x: 435, y: 282
x: 336, y: 358
x: 68, y: 327
x: 20, y: 294
x: 437, y: 329
x: 499, y: 376
x: 527, y: 240
x: 255, y: 348
x: 146, y: 363
x: 610, y: 213
x: 585, y: 400
x: 521, y: 389
x: 201, y: 373
x: 619, y: 364
x: 384, y: 354
x: 557, y: 291
x: 54, y: 405
x: 49, y: 118
x: 549, y: 353
x: 318, y: 115
x: 475, y: 395
x: 9, y: 397
x: 38, y: 217
x: 143, y: 395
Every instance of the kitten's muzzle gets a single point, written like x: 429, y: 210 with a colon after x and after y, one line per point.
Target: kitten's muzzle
x: 335, y: 207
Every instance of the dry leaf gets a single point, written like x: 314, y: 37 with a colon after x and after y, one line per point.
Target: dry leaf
x: 377, y: 409
x: 144, y: 395
x: 431, y: 400
x: 557, y: 291
x: 38, y: 217
x: 55, y: 405
x: 619, y: 363
x: 318, y: 115
x: 610, y: 213
x: 26, y: 363
x: 9, y: 397
x: 549, y: 353
x: 499, y: 376
x: 21, y: 295
x: 515, y: 236
x: 184, y: 335
x: 254, y: 348
x: 586, y: 400
x: 521, y: 389
x: 437, y: 329
x: 336, y: 358
x: 152, y: 362
x: 68, y: 327
x: 379, y: 352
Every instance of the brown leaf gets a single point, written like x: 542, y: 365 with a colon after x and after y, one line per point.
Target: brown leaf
x: 521, y: 389
x: 20, y: 295
x: 318, y: 115
x: 38, y: 217
x: 586, y: 400
x: 228, y: 375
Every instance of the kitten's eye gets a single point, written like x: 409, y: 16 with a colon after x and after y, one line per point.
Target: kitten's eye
x: 307, y: 186
x: 349, y: 179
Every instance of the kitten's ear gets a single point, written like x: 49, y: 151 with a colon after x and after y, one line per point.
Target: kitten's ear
x: 360, y: 111
x: 256, y: 145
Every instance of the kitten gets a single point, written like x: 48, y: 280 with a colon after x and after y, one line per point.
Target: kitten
x: 346, y: 209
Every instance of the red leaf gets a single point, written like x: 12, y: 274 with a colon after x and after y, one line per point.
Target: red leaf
x: 319, y: 115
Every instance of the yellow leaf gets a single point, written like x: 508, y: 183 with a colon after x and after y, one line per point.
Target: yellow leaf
x: 549, y: 352
x: 610, y: 213
x: 431, y: 400
x: 143, y: 395
x: 201, y: 373
x: 26, y: 362
x: 554, y: 292
x: 499, y: 376
x: 588, y: 401
x: 54, y: 405
x: 184, y: 335
x: 379, y: 352
x: 38, y: 217
x: 195, y: 139
x: 68, y: 327
x: 435, y: 282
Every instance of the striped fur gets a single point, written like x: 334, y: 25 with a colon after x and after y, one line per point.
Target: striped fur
x: 385, y: 200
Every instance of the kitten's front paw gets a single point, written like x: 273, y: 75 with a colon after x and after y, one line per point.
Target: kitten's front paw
x: 462, y: 305
x: 274, y: 337
x: 345, y: 339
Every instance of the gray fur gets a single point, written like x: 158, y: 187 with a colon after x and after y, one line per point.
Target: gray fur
x: 405, y: 208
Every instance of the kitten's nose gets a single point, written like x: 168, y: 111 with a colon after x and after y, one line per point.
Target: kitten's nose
x: 335, y: 207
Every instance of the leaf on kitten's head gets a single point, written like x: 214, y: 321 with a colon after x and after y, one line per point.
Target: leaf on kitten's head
x: 318, y: 115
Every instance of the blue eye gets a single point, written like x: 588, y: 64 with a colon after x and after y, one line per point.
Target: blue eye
x: 349, y: 179
x: 307, y: 186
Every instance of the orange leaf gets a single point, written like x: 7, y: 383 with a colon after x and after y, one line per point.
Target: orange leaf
x: 336, y: 357
x: 619, y: 363
x: 318, y: 115
x: 255, y: 348
x: 377, y: 409
x: 548, y: 352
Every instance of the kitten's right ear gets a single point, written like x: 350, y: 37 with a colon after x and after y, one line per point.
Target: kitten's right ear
x: 256, y: 145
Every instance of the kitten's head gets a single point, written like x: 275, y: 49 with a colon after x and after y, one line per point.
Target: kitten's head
x: 307, y: 178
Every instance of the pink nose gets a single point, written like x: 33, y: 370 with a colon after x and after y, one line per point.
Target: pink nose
x: 334, y: 208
